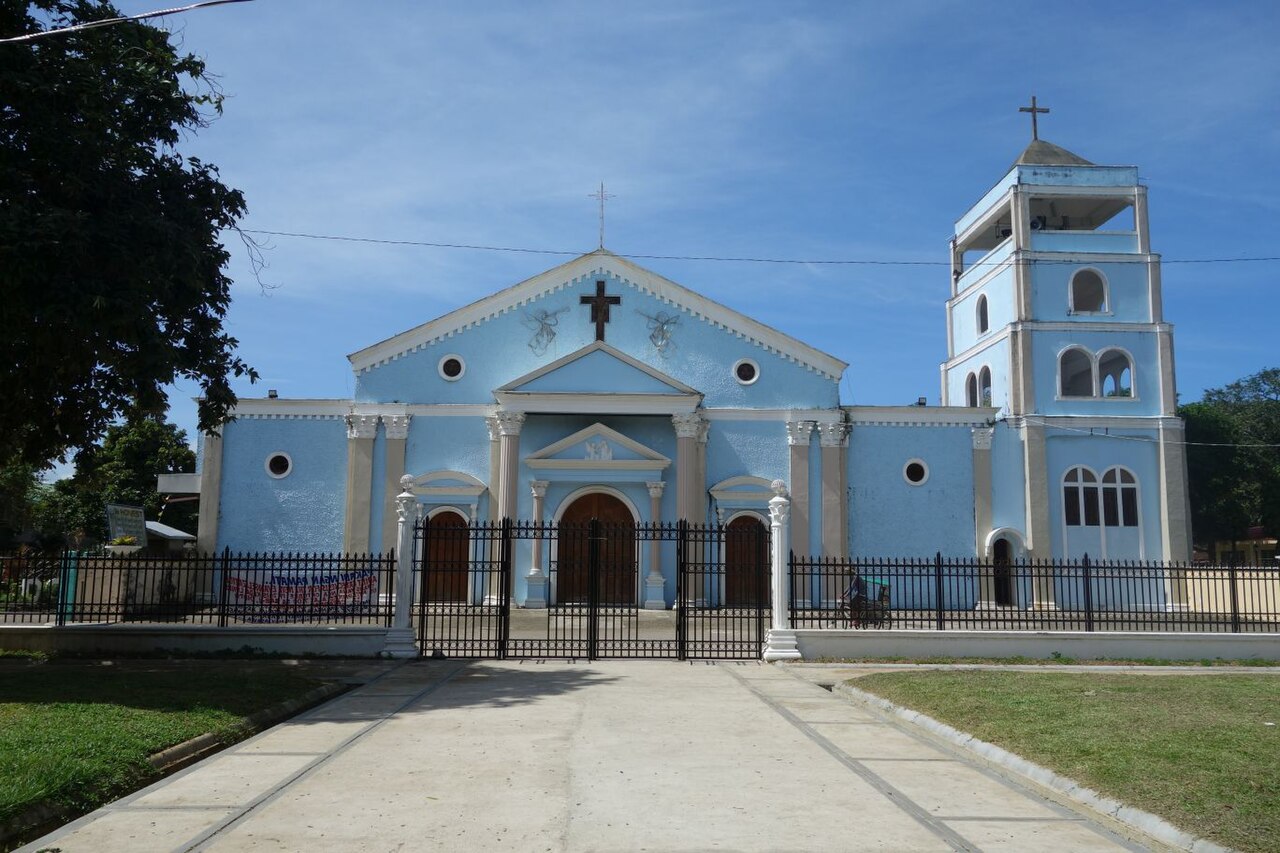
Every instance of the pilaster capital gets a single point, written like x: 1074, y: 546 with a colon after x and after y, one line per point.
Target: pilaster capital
x: 834, y: 434
x: 397, y: 426
x: 508, y: 423
x: 689, y: 425
x: 656, y: 489
x: 799, y: 433
x: 982, y: 437
x: 361, y: 426
x: 538, y: 488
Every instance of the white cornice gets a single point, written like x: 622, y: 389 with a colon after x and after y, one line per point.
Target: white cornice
x: 571, y: 274
x: 932, y: 416
x: 603, y: 404
x: 265, y: 409
x: 676, y: 386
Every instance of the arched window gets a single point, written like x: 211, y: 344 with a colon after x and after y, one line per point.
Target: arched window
x: 1088, y: 292
x: 1080, y: 497
x: 1119, y: 498
x: 984, y: 386
x: 971, y: 390
x: 982, y: 314
x: 1115, y: 372
x: 1075, y: 373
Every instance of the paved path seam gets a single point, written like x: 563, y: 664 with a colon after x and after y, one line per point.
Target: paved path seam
x: 1128, y: 817
x: 889, y: 791
x: 203, y: 839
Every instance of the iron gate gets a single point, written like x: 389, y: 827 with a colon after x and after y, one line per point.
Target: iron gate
x: 602, y: 586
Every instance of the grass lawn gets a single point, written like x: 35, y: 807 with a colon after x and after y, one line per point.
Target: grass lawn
x: 1193, y: 749
x: 79, y: 735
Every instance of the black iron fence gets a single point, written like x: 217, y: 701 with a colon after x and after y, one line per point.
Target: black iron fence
x: 200, y: 589
x: 593, y: 589
x: 1071, y: 595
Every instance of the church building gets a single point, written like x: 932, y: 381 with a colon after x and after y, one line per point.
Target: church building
x: 601, y: 389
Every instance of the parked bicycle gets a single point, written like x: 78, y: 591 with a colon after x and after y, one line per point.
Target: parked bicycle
x: 865, y: 603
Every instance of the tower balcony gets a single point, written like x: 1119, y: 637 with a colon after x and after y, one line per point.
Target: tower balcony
x: 1111, y: 242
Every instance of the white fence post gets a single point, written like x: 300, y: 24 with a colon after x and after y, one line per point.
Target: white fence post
x: 780, y: 643
x: 400, y: 640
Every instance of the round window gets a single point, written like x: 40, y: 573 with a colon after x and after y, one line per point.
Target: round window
x: 746, y: 371
x: 915, y: 472
x: 279, y: 465
x: 452, y: 367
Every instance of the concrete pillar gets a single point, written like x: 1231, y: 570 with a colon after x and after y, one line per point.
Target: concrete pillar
x: 688, y: 426
x: 1140, y: 222
x: 400, y: 642
x: 982, y: 512
x: 537, y: 580
x: 1036, y: 506
x: 210, y: 493
x: 361, y: 430
x: 1175, y: 501
x: 509, y: 426
x: 799, y: 434
x: 495, y: 485
x: 780, y: 642
x: 397, y: 431
x: 654, y: 586
x: 834, y: 438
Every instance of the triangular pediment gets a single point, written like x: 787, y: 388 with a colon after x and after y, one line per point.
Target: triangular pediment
x: 597, y: 447
x: 597, y: 369
x: 572, y: 274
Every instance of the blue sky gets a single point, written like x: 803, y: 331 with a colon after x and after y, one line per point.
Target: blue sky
x: 788, y: 130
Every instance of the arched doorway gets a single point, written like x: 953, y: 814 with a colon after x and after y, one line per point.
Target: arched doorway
x: 1002, y: 559
x: 616, y: 551
x: 746, y: 557
x: 448, y: 557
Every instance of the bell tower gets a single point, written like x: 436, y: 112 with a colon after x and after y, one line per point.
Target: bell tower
x: 1055, y: 321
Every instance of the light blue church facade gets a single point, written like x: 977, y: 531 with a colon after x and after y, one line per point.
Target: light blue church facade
x: 601, y: 387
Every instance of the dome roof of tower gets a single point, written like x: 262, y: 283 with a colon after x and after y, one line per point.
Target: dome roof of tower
x: 1041, y: 153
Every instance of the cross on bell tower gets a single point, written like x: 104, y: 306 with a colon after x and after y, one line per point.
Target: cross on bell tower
x: 1033, y: 109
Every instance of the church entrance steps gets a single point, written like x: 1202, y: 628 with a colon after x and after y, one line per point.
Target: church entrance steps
x: 598, y: 599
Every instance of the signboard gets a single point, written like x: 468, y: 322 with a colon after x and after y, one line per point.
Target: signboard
x: 123, y: 520
x: 299, y: 596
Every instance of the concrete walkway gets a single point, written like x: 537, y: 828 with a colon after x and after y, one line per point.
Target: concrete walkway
x: 627, y: 755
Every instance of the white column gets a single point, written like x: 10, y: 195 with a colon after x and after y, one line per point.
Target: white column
x: 536, y: 579
x: 688, y: 427
x: 509, y: 425
x: 799, y: 434
x: 495, y: 482
x: 361, y: 430
x: 982, y: 512
x: 654, y: 588
x: 210, y: 493
x: 397, y: 431
x: 780, y: 643
x: 400, y: 642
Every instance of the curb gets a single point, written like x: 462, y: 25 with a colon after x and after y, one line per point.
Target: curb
x: 1127, y: 817
x: 178, y: 756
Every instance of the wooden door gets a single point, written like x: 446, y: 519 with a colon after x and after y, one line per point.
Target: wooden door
x: 448, y: 561
x: 746, y: 558
x: 616, y: 551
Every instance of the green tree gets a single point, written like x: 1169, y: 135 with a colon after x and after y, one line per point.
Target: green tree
x: 19, y: 486
x: 110, y: 253
x: 121, y: 470
x: 1233, y: 458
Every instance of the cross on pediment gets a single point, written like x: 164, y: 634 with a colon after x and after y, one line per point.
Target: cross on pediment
x: 600, y: 308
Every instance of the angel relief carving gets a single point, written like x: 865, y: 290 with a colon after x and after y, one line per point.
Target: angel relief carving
x: 661, y: 325
x: 543, y: 323
x: 598, y: 450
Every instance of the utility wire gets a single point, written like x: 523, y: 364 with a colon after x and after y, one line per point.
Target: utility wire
x: 107, y: 22
x: 727, y: 259
x: 1092, y: 431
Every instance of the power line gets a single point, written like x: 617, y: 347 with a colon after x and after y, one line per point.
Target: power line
x: 1092, y: 431
x: 108, y: 22
x: 730, y: 259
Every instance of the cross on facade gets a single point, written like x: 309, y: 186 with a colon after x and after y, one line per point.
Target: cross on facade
x: 600, y: 308
x: 601, y: 196
x: 1033, y: 109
